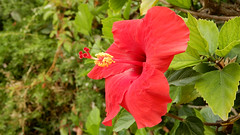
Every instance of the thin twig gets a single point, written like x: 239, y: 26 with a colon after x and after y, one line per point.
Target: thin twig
x: 201, y: 15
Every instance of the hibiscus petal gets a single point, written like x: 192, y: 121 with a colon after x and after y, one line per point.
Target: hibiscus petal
x: 115, y: 88
x: 166, y: 34
x: 128, y: 36
x: 147, y: 97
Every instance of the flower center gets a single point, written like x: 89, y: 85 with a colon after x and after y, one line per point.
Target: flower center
x: 102, y: 60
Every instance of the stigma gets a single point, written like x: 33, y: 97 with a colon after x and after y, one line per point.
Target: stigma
x: 101, y: 59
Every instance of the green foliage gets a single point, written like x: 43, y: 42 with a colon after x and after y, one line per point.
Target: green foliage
x: 93, y: 122
x: 145, y: 5
x: 181, y: 3
x: 223, y: 88
x: 196, y: 40
x: 107, y: 26
x: 209, y: 31
x: 191, y: 126
x: 116, y: 5
x: 83, y: 20
x: 125, y: 120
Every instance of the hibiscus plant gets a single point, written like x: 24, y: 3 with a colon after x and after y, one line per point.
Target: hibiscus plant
x: 119, y: 67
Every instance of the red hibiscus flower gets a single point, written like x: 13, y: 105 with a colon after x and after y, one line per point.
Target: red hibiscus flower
x: 134, y: 64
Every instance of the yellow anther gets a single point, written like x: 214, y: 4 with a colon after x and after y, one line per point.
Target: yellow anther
x: 104, y: 59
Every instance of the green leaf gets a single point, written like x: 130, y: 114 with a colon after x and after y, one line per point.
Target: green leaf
x: 229, y: 32
x: 127, y: 10
x: 147, y: 4
x: 182, y: 95
x: 141, y: 131
x: 223, y: 52
x: 107, y: 26
x: 181, y: 3
x: 235, y: 52
x: 116, y: 5
x: 209, y: 31
x: 16, y: 16
x: 208, y: 115
x: 196, y: 40
x: 183, y: 60
x: 219, y: 88
x: 203, y: 68
x: 93, y: 122
x: 190, y: 126
x: 124, y: 121
x: 207, y: 129
x: 193, y: 52
x: 83, y: 20
x: 175, y: 126
x: 182, y: 77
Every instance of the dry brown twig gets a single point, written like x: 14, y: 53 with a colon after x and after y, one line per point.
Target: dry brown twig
x: 198, y: 14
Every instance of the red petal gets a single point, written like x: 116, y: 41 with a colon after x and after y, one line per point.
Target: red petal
x: 116, y: 86
x: 166, y: 34
x: 147, y: 97
x: 128, y: 36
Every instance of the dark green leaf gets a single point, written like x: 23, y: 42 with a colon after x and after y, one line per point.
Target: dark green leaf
x: 190, y: 126
x: 203, y: 68
x: 185, y: 94
x: 182, y: 77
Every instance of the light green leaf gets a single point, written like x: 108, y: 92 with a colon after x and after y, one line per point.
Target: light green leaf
x: 127, y: 10
x: 93, y: 122
x: 209, y: 31
x: 83, y: 20
x: 47, y: 14
x: 190, y: 126
x: 16, y: 16
x: 147, y: 4
x: 184, y: 60
x: 185, y: 94
x: 181, y: 3
x: 193, y: 52
x: 229, y: 32
x: 196, y: 40
x: 107, y: 26
x: 141, y: 131
x: 219, y: 88
x: 223, y: 52
x: 116, y: 5
x: 124, y: 121
x: 182, y: 77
